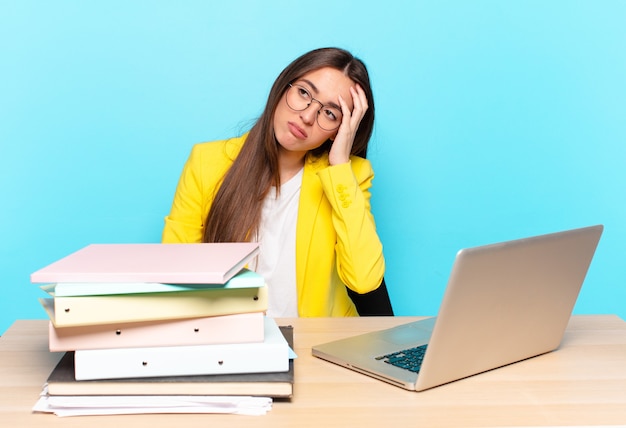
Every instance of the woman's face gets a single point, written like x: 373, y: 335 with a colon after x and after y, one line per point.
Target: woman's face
x: 299, y: 131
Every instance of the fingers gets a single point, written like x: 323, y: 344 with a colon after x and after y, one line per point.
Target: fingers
x: 342, y: 145
x: 360, y: 106
x: 359, y: 99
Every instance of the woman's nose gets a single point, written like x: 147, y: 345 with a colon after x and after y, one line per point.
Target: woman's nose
x: 309, y: 114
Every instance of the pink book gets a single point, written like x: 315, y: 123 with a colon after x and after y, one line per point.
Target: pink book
x: 213, y: 263
x: 238, y: 328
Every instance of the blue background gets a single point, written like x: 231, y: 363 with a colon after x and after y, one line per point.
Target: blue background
x: 495, y: 120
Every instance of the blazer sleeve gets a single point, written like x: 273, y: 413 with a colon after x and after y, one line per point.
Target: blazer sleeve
x: 359, y: 251
x: 200, y: 179
x: 185, y: 222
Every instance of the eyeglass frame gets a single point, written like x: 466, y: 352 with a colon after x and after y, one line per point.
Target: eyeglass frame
x: 322, y: 105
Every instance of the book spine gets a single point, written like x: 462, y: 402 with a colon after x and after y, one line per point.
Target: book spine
x: 272, y: 355
x: 90, y: 310
x: 237, y: 328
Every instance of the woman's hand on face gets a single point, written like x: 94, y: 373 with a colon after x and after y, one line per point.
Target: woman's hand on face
x: 342, y: 144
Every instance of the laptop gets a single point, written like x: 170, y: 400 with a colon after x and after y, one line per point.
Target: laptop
x: 504, y: 303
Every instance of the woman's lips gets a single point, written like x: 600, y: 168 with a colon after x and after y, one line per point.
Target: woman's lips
x: 298, y: 132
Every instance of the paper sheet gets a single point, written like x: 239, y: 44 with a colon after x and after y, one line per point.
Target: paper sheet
x: 124, y: 405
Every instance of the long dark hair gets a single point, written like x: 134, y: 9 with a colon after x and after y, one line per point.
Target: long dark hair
x: 236, y: 209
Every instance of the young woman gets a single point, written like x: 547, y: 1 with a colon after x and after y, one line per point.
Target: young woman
x: 299, y: 184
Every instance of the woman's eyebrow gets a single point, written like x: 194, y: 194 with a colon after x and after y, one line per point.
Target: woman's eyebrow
x: 312, y: 85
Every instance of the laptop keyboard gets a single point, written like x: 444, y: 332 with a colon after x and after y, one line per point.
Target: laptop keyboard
x: 408, y: 359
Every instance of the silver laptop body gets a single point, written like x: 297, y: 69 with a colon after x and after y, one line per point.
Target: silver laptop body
x: 503, y: 303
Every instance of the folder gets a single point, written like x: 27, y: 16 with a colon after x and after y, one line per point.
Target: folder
x: 166, y: 263
x: 90, y: 310
x: 237, y: 328
x: 275, y: 384
x: 243, y: 279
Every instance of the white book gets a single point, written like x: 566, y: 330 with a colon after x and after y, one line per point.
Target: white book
x: 243, y: 279
x: 271, y: 355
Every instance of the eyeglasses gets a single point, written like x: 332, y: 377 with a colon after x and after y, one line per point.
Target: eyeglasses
x: 299, y: 98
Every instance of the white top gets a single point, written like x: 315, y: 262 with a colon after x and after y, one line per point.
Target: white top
x: 276, y: 261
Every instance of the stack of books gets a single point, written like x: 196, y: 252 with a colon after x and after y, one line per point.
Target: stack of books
x: 163, y: 319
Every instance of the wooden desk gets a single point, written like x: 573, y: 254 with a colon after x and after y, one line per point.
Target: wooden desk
x: 583, y: 383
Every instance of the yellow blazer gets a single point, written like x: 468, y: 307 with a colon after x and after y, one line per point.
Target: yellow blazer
x: 336, y: 240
